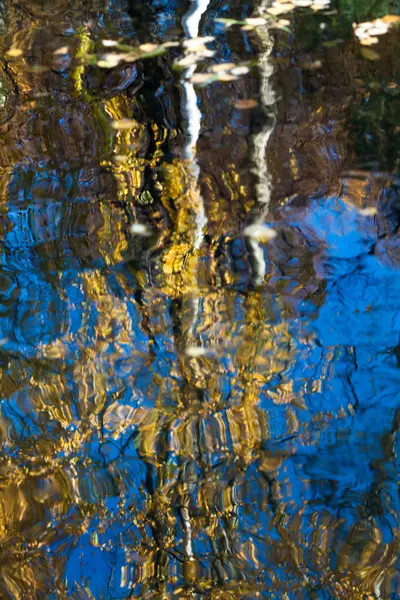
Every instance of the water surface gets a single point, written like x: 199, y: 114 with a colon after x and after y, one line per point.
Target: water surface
x: 199, y: 302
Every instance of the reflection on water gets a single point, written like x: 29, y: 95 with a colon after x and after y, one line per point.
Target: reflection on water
x: 199, y: 321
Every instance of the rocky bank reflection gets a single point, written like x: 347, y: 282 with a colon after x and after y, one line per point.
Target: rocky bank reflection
x: 199, y: 314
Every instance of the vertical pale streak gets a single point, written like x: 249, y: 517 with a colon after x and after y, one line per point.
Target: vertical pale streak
x: 191, y: 112
x: 191, y: 19
x: 260, y: 139
x: 192, y: 122
x: 258, y: 155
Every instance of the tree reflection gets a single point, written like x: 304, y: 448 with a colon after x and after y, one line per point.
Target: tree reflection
x: 171, y: 423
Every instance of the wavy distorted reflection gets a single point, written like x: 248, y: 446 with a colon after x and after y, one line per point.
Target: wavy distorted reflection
x: 198, y: 341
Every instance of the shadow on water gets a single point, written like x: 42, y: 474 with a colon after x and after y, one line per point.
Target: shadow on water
x: 199, y: 320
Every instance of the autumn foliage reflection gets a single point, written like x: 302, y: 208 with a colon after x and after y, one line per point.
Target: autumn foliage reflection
x: 171, y: 424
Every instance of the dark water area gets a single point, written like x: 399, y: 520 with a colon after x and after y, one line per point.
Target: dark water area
x: 199, y: 300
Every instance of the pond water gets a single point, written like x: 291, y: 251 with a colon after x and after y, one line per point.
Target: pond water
x: 199, y: 299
